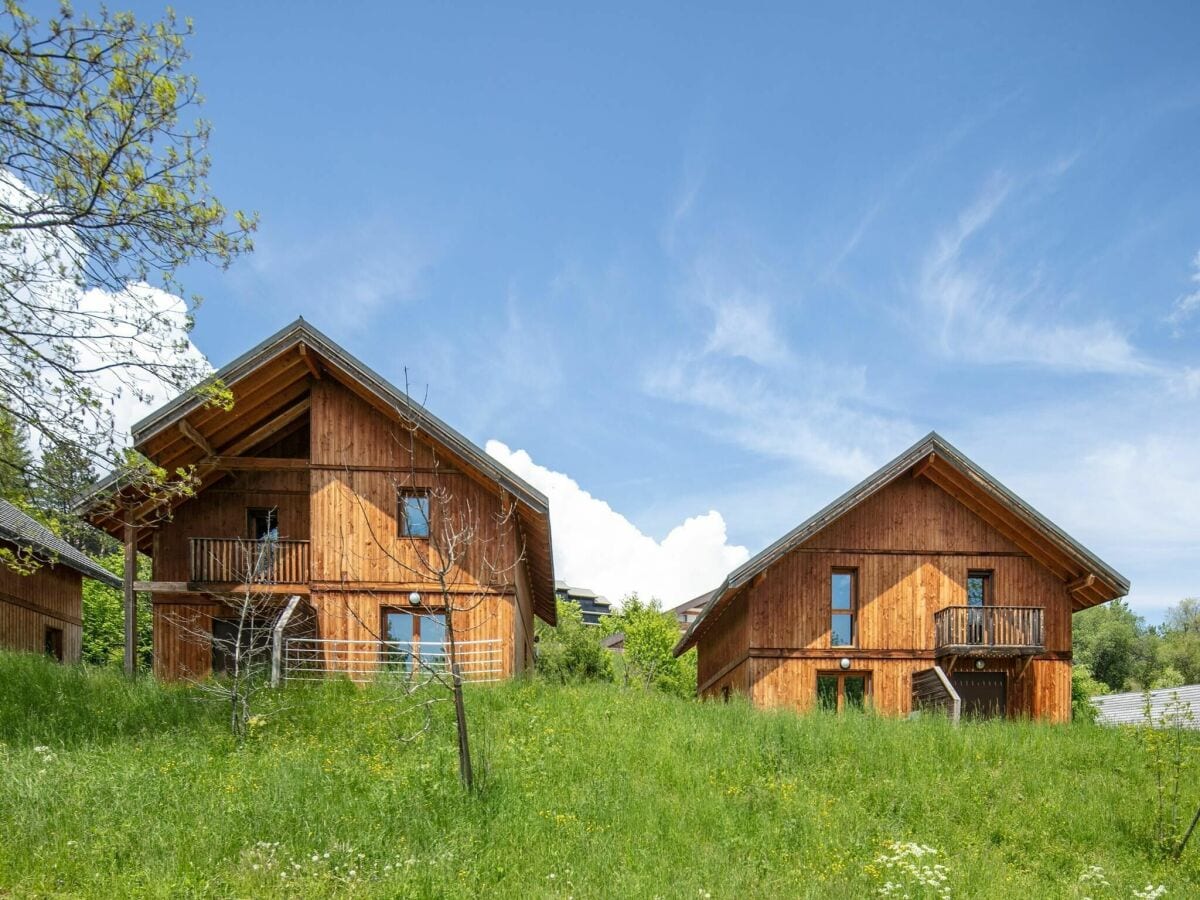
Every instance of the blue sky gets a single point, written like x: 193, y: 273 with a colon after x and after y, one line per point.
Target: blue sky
x: 703, y: 260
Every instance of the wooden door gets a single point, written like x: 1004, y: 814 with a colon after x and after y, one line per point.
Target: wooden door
x: 984, y: 694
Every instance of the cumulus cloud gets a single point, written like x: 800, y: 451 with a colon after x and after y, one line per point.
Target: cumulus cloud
x: 598, y: 548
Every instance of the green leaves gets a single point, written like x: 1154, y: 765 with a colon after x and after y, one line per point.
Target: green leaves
x: 103, y: 184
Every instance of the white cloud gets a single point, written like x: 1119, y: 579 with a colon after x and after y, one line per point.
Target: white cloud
x: 598, y: 548
x: 1189, y: 305
x: 133, y: 393
x: 119, y: 345
x: 816, y: 415
x: 743, y: 327
x: 981, y: 317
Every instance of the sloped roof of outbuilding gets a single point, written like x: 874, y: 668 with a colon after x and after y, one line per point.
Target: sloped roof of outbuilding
x: 1092, y: 580
x: 18, y: 528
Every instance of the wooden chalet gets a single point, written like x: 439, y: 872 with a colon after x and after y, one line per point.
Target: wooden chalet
x: 319, y: 484
x: 927, y: 585
x: 42, y: 610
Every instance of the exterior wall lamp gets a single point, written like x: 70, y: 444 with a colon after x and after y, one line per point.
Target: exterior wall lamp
x: 979, y: 664
x: 414, y: 598
x: 844, y: 662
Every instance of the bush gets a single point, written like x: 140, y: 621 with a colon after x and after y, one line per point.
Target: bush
x: 1083, y: 688
x: 571, y: 651
x: 650, y: 637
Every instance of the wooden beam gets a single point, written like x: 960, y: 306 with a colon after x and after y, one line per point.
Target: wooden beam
x: 310, y: 360
x: 186, y: 429
x: 1024, y: 665
x: 1081, y: 583
x: 268, y: 428
x: 161, y: 587
x: 949, y: 667
x: 257, y: 463
x: 130, y: 600
x: 924, y: 465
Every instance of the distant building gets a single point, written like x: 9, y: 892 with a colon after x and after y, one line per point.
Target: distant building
x: 1130, y: 708
x: 687, y: 613
x: 594, y: 606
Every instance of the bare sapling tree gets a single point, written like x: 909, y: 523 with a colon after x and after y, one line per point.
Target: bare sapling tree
x: 238, y: 633
x: 459, y: 546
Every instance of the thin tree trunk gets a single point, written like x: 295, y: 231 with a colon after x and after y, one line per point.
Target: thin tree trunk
x: 1187, y: 837
x: 464, y: 746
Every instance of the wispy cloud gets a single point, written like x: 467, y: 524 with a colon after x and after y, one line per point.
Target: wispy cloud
x: 358, y: 274
x: 1188, y: 305
x: 597, y: 547
x: 981, y: 314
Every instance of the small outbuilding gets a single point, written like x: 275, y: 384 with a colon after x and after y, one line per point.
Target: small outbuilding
x: 42, y: 610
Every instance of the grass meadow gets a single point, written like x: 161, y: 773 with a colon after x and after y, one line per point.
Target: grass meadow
x: 116, y: 789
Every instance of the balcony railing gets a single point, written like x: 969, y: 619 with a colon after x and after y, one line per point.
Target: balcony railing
x: 313, y: 659
x: 989, y: 629
x: 243, y: 561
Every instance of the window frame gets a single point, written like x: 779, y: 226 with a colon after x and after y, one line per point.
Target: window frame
x: 271, y: 513
x: 417, y: 613
x: 988, y: 576
x: 402, y: 495
x: 840, y: 676
x: 851, y: 611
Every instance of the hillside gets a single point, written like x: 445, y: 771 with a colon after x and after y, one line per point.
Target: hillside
x: 136, y: 790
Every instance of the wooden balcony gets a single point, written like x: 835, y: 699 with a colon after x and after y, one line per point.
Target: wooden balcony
x: 243, y: 561
x: 989, y: 630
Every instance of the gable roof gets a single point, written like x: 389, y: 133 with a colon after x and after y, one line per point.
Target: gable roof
x: 1092, y: 580
x: 18, y: 528
x: 314, y: 351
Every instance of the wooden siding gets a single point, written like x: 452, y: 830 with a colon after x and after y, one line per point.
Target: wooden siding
x: 912, y: 546
x: 725, y: 645
x: 180, y: 650
x: 50, y: 597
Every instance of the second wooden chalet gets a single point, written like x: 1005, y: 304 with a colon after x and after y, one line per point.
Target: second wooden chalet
x: 325, y: 483
x: 928, y: 584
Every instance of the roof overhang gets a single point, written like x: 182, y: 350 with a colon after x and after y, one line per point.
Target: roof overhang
x: 1089, y: 579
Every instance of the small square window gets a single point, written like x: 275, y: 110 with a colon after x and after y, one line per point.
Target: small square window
x: 413, y: 514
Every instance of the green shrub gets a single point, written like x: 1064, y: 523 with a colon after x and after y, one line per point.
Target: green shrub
x: 570, y: 651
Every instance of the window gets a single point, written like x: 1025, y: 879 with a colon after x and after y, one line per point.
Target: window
x: 843, y: 588
x: 414, y: 636
x: 54, y: 643
x: 979, y: 595
x: 979, y: 589
x: 841, y: 691
x: 263, y: 524
x: 413, y: 514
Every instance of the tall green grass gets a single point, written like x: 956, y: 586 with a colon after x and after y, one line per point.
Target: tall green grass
x: 112, y: 789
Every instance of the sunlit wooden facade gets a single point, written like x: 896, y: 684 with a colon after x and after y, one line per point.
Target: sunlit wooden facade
x: 316, y: 461
x: 928, y: 568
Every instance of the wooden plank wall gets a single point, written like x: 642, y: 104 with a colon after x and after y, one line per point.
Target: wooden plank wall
x: 181, y: 652
x: 724, y: 644
x: 51, y: 597
x: 912, y: 545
